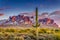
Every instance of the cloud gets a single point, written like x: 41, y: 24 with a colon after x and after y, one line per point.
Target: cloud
x: 55, y: 13
x: 1, y: 14
x: 50, y: 15
x: 43, y: 15
x: 1, y: 8
x: 28, y: 14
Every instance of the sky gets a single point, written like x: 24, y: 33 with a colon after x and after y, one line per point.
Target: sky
x: 15, y: 7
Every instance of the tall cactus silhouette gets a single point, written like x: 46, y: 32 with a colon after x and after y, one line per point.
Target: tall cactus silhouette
x: 37, y: 24
x: 36, y: 18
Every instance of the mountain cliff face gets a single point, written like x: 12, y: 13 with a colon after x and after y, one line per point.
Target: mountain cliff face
x: 27, y: 20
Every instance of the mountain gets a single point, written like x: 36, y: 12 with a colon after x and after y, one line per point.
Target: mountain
x: 28, y: 20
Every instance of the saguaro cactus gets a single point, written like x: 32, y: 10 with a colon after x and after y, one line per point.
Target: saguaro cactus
x: 36, y: 25
x: 36, y: 18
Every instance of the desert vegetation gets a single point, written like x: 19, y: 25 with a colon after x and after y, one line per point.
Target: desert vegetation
x: 29, y: 34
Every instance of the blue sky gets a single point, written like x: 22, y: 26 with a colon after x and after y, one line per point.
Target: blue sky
x: 15, y: 7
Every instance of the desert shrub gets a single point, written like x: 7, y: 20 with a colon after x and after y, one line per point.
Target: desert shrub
x: 41, y: 38
x: 57, y: 30
x: 46, y: 37
x: 1, y: 29
x: 57, y: 37
x: 1, y: 37
x: 11, y: 37
x: 23, y: 31
x: 33, y: 32
x: 32, y: 37
x: 50, y: 37
x: 27, y: 38
x: 42, y: 31
x: 10, y: 30
x: 19, y: 38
